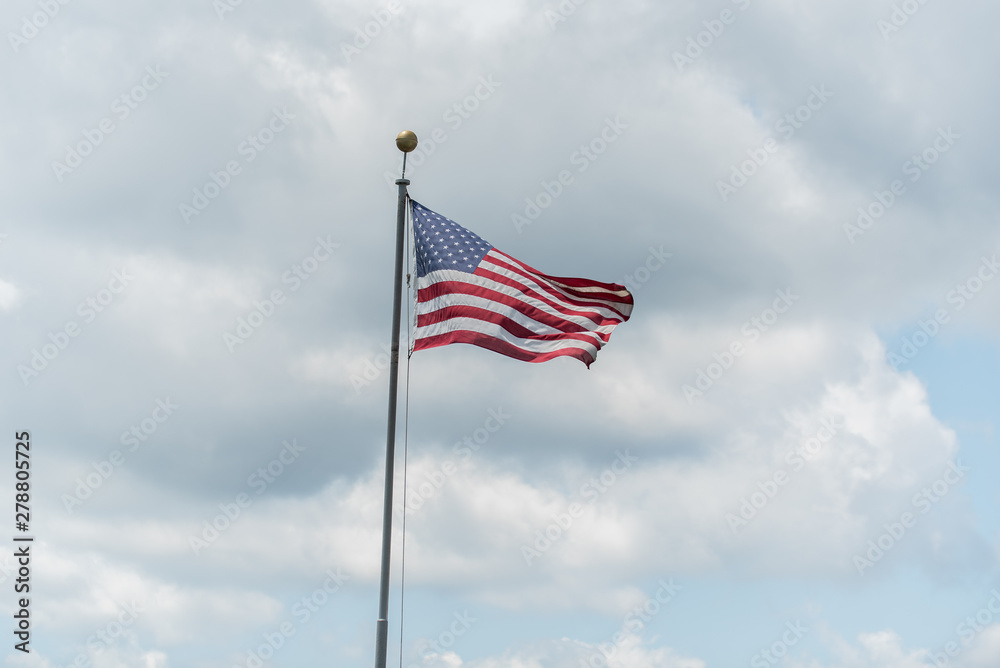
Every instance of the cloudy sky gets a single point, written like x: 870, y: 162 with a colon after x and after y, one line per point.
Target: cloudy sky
x: 787, y: 457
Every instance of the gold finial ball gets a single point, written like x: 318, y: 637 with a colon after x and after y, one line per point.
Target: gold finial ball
x: 406, y: 141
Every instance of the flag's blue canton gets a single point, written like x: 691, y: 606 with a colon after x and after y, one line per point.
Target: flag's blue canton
x: 444, y: 244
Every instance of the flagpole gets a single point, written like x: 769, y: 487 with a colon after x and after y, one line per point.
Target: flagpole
x: 406, y: 141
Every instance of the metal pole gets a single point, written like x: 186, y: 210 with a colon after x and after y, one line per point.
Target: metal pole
x: 382, y: 626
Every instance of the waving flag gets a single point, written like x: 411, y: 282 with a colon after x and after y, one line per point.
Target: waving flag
x: 470, y: 292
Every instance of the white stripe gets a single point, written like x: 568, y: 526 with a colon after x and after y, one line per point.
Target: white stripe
x: 587, y: 288
x: 444, y: 275
x: 555, y: 279
x: 452, y: 275
x: 594, y: 306
x: 568, y: 288
x: 458, y: 299
x: 602, y: 307
x: 532, y: 346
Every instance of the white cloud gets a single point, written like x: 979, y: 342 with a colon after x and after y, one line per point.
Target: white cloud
x: 94, y: 602
x: 630, y: 652
x: 9, y: 296
x: 474, y: 517
x: 985, y: 652
x: 882, y: 649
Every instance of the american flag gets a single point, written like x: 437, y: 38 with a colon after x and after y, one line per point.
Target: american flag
x: 470, y: 292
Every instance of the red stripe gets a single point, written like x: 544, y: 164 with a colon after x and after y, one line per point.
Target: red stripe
x: 589, y: 301
x: 512, y: 326
x: 544, y: 298
x: 502, y: 347
x: 570, y: 283
x: 445, y: 288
